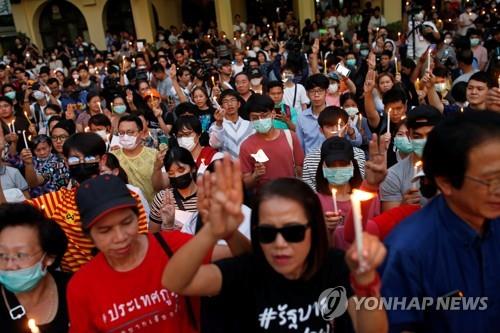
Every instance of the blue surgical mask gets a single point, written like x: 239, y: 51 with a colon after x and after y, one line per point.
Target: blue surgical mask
x: 11, y: 95
x: 364, y: 52
x: 418, y: 146
x: 474, y: 42
x: 23, y: 280
x: 352, y: 111
x: 351, y: 62
x: 262, y: 125
x: 338, y: 176
x: 403, y: 144
x: 119, y: 109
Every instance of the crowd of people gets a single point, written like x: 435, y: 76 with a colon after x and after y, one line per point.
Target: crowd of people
x: 214, y: 181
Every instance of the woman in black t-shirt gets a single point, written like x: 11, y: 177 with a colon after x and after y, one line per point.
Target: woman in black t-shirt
x: 284, y: 285
x: 30, y: 246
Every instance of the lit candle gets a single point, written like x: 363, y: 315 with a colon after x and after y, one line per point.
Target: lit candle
x: 334, y: 199
x: 389, y: 120
x: 112, y: 108
x: 25, y: 141
x: 234, y: 38
x: 417, y: 84
x: 399, y: 35
x: 416, y: 170
x: 213, y: 81
x: 14, y: 126
x: 324, y: 66
x: 27, y: 118
x: 360, y: 120
x: 32, y: 326
x: 356, y: 197
x: 123, y: 62
x: 86, y: 62
x: 429, y: 60
x: 338, y: 126
x: 100, y: 108
x: 341, y: 35
x: 462, y: 109
x: 396, y: 64
x: 86, y: 129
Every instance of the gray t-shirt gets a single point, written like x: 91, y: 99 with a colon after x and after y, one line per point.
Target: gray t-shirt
x: 12, y: 178
x: 398, y: 182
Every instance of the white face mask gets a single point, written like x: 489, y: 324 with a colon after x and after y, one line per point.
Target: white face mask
x: 186, y: 142
x: 440, y: 87
x: 38, y: 95
x: 351, y: 111
x: 256, y: 81
x: 128, y: 142
x: 256, y: 49
x: 333, y: 88
x: 103, y: 134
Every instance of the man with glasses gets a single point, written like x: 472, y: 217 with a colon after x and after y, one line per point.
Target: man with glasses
x: 307, y: 129
x: 229, y: 130
x: 451, y: 248
x: 137, y: 161
x: 83, y: 153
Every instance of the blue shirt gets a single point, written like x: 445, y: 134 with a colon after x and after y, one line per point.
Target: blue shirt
x: 310, y: 136
x: 434, y: 253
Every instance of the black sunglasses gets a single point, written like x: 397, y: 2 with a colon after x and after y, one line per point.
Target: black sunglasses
x: 292, y: 233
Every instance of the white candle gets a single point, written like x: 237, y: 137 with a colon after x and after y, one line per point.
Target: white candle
x: 213, y: 81
x: 32, y: 326
x: 334, y: 199
x: 360, y: 120
x: 416, y: 169
x: 498, y: 81
x: 396, y: 64
x: 100, y: 108
x: 324, y: 66
x: 429, y: 60
x: 389, y: 120
x: 338, y: 126
x: 25, y: 141
x: 356, y: 197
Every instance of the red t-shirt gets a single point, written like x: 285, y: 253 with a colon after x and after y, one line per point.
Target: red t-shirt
x: 101, y: 299
x: 205, y: 157
x: 278, y: 151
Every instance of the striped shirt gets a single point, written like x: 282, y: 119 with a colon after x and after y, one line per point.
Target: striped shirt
x: 230, y: 136
x: 189, y: 204
x: 311, y: 164
x: 61, y: 207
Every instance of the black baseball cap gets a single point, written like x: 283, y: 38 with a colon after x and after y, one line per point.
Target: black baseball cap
x: 423, y: 115
x: 254, y: 73
x: 99, y: 196
x: 336, y: 149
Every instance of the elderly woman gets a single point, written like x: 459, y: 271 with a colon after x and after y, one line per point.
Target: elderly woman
x: 31, y: 247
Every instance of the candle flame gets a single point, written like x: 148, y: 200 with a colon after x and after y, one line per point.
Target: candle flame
x: 32, y: 326
x: 334, y: 191
x: 362, y: 195
x: 418, y: 164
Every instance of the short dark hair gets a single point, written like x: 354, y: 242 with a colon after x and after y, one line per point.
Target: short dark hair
x: 459, y: 92
x: 387, y: 53
x: 92, y: 95
x: 53, y: 80
x: 347, y: 96
x: 240, y: 74
x: 54, y: 107
x: 179, y: 51
x: 317, y: 80
x: 481, y: 77
x: 99, y: 120
x: 330, y: 116
x: 157, y: 68
x: 322, y: 185
x: 449, y: 144
x: 182, y: 70
x: 189, y: 122
x: 178, y: 154
x: 302, y: 194
x: 89, y: 144
x: 259, y: 103
x: 7, y: 100
x: 67, y: 125
x: 132, y: 118
x: 184, y: 108
x: 440, y: 71
x: 465, y: 56
x: 274, y: 84
x: 44, y: 70
x: 52, y: 238
x: 112, y: 162
x: 395, y: 94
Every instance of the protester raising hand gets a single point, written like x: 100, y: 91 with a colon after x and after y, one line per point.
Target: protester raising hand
x: 376, y: 166
x: 167, y: 211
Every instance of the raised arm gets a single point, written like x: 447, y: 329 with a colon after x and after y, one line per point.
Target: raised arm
x: 371, y: 112
x: 185, y: 273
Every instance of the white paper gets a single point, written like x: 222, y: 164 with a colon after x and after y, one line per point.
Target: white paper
x: 115, y: 141
x: 260, y: 156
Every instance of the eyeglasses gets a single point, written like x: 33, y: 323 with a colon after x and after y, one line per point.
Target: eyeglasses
x: 493, y: 185
x: 316, y: 91
x: 229, y: 101
x: 129, y: 133
x: 73, y: 160
x: 18, y: 258
x: 291, y: 233
x: 59, y: 138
